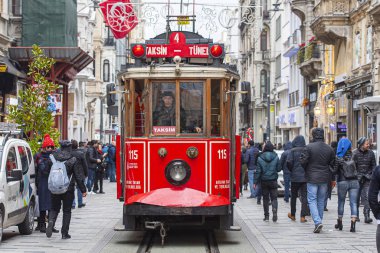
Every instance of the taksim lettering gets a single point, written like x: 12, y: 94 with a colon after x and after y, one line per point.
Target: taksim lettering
x: 157, y: 50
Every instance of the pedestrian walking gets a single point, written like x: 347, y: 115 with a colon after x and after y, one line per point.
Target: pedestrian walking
x: 99, y: 170
x: 347, y: 181
x: 365, y: 162
x: 243, y: 169
x: 65, y: 199
x: 43, y: 169
x: 334, y: 146
x: 250, y: 160
x: 111, y: 165
x: 297, y: 176
x: 268, y: 166
x: 93, y: 159
x: 317, y: 160
x: 284, y: 168
x: 81, y: 157
x: 374, y: 203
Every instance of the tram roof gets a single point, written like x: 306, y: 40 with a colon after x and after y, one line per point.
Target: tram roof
x: 167, y: 71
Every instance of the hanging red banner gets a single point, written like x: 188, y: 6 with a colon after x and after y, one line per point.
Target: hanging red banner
x: 119, y: 16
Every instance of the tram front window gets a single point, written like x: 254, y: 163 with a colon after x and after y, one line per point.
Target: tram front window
x: 192, y: 107
x: 164, y: 108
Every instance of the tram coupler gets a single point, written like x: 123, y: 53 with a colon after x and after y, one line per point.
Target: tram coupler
x: 157, y: 224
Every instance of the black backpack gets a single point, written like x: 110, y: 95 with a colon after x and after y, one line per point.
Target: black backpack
x: 349, y: 169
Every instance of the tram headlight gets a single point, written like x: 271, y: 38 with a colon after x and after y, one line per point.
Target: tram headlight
x: 177, y: 172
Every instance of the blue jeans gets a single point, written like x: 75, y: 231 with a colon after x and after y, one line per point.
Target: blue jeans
x: 90, y: 180
x: 316, y: 194
x: 111, y: 168
x: 287, y: 186
x: 352, y: 187
x: 80, y: 198
x: 257, y: 192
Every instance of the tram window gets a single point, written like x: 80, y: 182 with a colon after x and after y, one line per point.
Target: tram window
x: 215, y: 108
x: 191, y: 107
x: 139, y: 109
x: 163, y: 99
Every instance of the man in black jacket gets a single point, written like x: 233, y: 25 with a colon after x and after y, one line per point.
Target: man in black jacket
x: 365, y: 162
x: 373, y: 196
x: 284, y: 167
x: 316, y: 159
x: 81, y: 157
x: 66, y: 199
x: 93, y: 159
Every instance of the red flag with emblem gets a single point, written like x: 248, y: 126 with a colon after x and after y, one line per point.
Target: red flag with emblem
x: 119, y: 16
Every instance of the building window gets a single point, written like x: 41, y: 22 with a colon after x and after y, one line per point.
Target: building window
x: 357, y: 50
x: 264, y: 41
x: 16, y: 7
x: 263, y: 82
x: 278, y: 27
x: 369, y: 45
x: 106, y: 70
x: 278, y: 66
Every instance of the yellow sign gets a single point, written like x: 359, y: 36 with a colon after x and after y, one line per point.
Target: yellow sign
x: 185, y: 20
x: 272, y: 108
x: 3, y: 68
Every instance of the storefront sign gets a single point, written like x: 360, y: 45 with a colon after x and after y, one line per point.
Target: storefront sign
x: 292, y: 118
x: 341, y: 128
x: 282, y: 119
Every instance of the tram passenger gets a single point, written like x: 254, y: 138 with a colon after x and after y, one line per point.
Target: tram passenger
x: 164, y: 115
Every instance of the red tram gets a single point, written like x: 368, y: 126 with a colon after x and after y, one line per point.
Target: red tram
x: 178, y: 157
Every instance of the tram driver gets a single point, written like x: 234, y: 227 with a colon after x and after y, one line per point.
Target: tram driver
x: 164, y: 115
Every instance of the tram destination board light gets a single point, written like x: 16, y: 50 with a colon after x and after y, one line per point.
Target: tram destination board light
x: 216, y: 51
x: 138, y: 51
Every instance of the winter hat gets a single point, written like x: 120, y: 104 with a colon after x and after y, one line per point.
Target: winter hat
x: 48, y: 142
x: 167, y: 94
x: 361, y: 141
x: 318, y: 134
x: 65, y: 143
x: 344, y: 145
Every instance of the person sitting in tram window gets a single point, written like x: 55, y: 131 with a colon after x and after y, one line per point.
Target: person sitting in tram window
x: 164, y: 115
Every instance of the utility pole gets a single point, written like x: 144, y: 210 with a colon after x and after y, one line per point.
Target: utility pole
x: 101, y: 118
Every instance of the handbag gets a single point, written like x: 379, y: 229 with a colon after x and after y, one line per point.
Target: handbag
x: 349, y: 169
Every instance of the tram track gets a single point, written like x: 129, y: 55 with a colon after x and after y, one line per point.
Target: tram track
x: 151, y: 242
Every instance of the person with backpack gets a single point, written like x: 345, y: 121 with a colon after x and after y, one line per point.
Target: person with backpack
x: 65, y: 171
x: 347, y: 181
x: 268, y: 166
x: 112, y: 161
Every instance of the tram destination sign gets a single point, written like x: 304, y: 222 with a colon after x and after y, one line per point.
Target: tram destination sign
x: 177, y: 47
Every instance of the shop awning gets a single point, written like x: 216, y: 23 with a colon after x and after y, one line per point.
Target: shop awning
x: 69, y: 60
x: 6, y: 66
x: 374, y: 100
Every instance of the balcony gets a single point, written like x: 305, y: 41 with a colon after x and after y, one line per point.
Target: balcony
x: 374, y: 11
x: 311, y: 64
x: 299, y: 7
x: 332, y: 21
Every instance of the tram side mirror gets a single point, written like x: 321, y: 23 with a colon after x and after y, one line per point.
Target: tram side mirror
x: 111, y: 95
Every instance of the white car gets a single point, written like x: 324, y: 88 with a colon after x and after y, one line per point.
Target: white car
x: 17, y: 185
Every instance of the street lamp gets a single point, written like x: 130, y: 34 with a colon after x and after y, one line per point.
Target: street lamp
x: 330, y: 110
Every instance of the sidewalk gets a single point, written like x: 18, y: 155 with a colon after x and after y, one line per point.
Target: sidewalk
x: 289, y: 236
x: 89, y: 230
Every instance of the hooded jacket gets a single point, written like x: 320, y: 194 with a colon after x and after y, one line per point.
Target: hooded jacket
x: 287, y: 147
x: 317, y: 158
x: 268, y: 166
x: 374, y: 188
x: 73, y: 168
x: 293, y: 160
x: 251, y: 157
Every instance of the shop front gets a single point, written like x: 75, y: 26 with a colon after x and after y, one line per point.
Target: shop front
x: 290, y: 123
